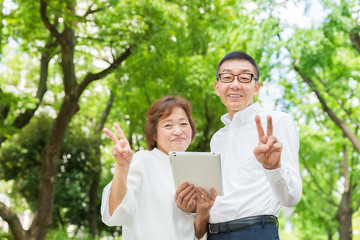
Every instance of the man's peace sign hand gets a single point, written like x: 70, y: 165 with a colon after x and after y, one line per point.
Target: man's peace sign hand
x: 121, y: 151
x: 268, y: 151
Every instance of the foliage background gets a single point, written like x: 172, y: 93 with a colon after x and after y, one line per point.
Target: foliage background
x: 176, y: 46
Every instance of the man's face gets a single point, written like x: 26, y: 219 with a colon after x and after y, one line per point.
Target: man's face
x: 237, y: 96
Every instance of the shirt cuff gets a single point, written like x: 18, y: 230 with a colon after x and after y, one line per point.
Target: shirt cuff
x: 274, y: 175
x: 123, y: 213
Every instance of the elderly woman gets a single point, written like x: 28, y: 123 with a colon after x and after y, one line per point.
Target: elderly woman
x: 141, y: 195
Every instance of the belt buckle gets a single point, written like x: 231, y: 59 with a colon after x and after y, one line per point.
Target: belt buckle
x: 216, y: 231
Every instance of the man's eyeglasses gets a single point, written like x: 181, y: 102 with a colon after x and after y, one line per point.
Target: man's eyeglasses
x: 242, y: 77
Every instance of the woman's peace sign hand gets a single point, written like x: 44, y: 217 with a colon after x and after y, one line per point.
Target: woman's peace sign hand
x: 121, y: 151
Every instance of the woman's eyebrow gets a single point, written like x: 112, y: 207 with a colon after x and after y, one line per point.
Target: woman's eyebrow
x: 166, y: 120
x: 171, y: 120
x: 183, y: 119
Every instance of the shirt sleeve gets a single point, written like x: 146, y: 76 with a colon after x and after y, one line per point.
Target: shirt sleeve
x: 125, y: 212
x: 286, y: 181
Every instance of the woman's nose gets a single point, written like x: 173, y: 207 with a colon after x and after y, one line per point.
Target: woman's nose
x: 177, y: 131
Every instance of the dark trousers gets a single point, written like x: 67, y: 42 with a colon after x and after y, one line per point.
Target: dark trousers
x: 255, y: 232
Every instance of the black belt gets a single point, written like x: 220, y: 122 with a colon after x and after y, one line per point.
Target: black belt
x: 241, y: 223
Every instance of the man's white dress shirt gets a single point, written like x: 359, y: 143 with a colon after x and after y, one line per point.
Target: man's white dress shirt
x: 249, y: 189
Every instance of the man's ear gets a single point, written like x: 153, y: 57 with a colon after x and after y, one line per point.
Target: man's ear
x: 257, y: 88
x: 216, y: 87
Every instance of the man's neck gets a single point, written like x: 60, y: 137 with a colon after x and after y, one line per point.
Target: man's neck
x: 232, y: 113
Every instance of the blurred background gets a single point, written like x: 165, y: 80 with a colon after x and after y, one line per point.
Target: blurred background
x: 69, y: 68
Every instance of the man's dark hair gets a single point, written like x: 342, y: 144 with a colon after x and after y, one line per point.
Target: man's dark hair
x: 238, y: 55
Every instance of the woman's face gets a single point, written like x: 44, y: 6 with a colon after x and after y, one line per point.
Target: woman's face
x: 174, y: 132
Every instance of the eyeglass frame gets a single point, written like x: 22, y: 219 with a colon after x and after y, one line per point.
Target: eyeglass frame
x: 238, y: 77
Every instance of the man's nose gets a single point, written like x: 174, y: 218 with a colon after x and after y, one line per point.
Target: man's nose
x: 236, y: 83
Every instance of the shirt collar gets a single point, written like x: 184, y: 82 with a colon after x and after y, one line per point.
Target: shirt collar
x: 244, y: 115
x: 161, y: 155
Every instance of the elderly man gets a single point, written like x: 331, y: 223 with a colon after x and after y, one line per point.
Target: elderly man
x: 260, y: 169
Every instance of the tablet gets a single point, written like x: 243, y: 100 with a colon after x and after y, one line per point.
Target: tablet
x: 203, y: 169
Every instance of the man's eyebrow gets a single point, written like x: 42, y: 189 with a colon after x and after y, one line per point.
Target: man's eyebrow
x: 230, y: 70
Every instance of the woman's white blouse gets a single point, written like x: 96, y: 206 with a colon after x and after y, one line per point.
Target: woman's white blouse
x: 148, y: 210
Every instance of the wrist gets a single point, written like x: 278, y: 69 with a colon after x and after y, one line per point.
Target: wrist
x: 269, y: 167
x: 121, y: 171
x: 203, y: 215
x: 124, y: 167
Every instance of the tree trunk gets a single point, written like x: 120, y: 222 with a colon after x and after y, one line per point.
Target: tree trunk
x: 92, y: 212
x: 43, y: 215
x: 330, y: 237
x: 344, y: 213
x: 344, y: 216
x: 355, y: 39
x: 44, y: 211
x: 96, y: 170
x: 92, y: 216
x: 51, y: 152
x: 203, y: 146
x: 4, y: 111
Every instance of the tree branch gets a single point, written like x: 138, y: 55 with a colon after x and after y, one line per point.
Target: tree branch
x: 4, y: 109
x: 103, y: 59
x: 105, y: 114
x: 46, y: 56
x: 23, y: 118
x: 48, y: 25
x: 357, y: 207
x: 90, y: 77
x: 341, y: 124
x: 90, y: 11
x: 13, y: 221
x: 355, y: 39
x: 319, y: 189
x: 338, y: 100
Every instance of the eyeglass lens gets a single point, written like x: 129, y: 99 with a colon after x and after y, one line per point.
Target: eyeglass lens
x: 229, y: 77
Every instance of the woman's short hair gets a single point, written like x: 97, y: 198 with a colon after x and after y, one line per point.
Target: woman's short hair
x: 163, y: 108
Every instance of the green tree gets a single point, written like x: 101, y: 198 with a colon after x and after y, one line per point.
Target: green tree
x: 163, y: 47
x: 63, y: 22
x: 325, y: 98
